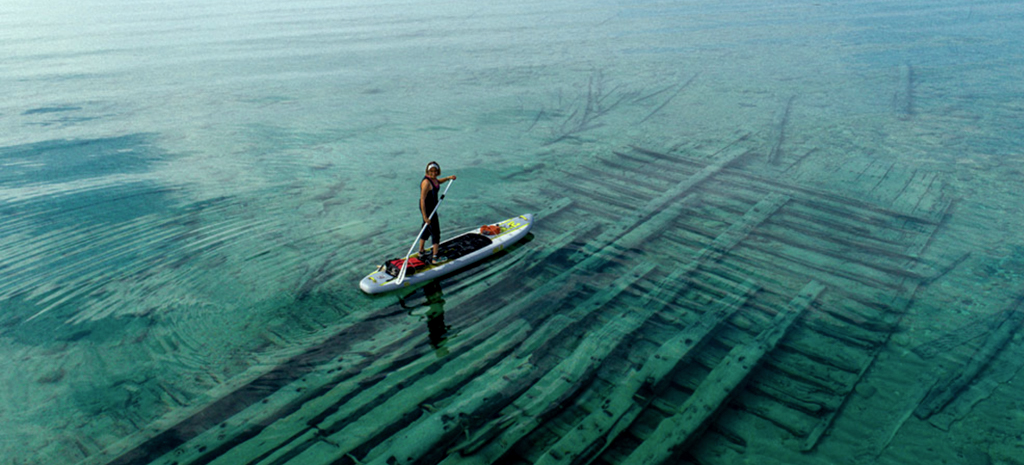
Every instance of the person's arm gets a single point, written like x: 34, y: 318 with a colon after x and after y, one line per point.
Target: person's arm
x: 446, y: 179
x: 424, y: 190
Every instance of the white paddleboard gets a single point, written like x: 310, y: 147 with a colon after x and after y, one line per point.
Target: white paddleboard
x: 460, y: 251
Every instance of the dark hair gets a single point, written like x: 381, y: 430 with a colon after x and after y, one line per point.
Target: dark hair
x: 434, y: 163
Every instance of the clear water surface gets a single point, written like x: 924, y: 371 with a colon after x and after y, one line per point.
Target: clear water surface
x: 190, y: 191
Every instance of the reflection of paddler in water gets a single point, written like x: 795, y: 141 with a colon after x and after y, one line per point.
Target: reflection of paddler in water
x: 434, y: 314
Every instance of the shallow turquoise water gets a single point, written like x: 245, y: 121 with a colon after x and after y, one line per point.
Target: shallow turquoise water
x: 190, y: 191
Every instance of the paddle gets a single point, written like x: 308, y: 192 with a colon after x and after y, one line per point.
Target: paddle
x: 405, y: 263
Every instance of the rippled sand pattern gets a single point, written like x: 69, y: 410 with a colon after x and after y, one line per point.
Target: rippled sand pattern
x: 781, y: 232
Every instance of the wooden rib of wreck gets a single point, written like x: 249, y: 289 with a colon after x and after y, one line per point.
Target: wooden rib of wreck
x: 675, y: 432
x: 949, y: 386
x: 778, y: 131
x: 903, y: 96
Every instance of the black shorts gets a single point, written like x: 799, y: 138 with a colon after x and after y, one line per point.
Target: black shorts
x: 433, y: 231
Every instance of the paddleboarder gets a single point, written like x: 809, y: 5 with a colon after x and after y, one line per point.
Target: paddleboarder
x: 428, y: 201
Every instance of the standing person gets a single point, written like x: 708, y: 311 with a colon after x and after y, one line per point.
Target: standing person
x: 428, y: 201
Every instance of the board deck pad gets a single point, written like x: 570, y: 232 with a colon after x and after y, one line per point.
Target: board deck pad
x: 456, y: 253
x: 451, y: 249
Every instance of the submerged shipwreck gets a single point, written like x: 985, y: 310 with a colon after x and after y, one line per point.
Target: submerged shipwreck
x: 751, y: 336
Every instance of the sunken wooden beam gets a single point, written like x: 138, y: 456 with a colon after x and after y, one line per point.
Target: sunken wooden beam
x: 820, y: 199
x: 800, y: 367
x: 1001, y: 370
x: 804, y: 354
x: 791, y: 391
x: 777, y: 256
x: 235, y: 403
x: 732, y: 153
x: 935, y: 204
x: 903, y: 96
x: 289, y: 435
x: 528, y: 412
x: 495, y: 389
x: 919, y: 242
x: 933, y: 395
x: 350, y: 427
x: 666, y: 102
x: 674, y: 433
x: 598, y: 103
x: 795, y: 421
x: 824, y: 200
x: 842, y: 236
x: 778, y: 131
x: 812, y: 439
x: 638, y: 188
x: 595, y: 432
x: 948, y: 387
x: 951, y: 340
x: 289, y: 406
x: 936, y: 273
x: 850, y: 334
x: 667, y: 156
x: 545, y: 396
x: 617, y: 201
x: 848, y: 256
x: 554, y: 207
x: 647, y: 186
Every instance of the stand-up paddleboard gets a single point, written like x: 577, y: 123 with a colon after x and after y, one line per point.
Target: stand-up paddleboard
x: 458, y: 252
